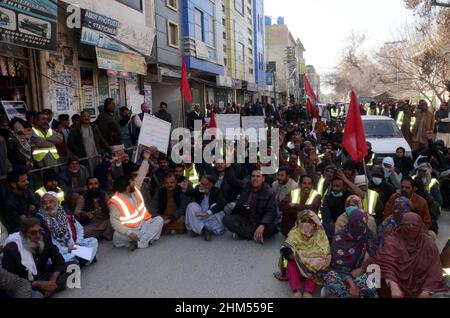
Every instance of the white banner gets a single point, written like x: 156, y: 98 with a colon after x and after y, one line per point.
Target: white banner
x: 155, y: 132
x: 255, y: 122
x: 228, y: 121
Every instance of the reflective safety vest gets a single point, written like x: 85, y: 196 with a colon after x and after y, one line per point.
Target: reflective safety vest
x: 192, y: 176
x: 370, y: 202
x: 320, y: 186
x: 131, y: 215
x: 371, y: 160
x: 401, y: 117
x: 433, y: 182
x: 40, y: 153
x: 59, y: 192
x: 374, y: 112
x: 413, y: 122
x: 295, y: 195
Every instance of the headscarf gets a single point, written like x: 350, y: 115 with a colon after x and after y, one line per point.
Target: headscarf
x: 58, y: 225
x: 410, y: 258
x: 427, y: 167
x: 401, y: 206
x: 354, y: 200
x: 310, y: 245
x: 389, y: 161
x: 350, y: 245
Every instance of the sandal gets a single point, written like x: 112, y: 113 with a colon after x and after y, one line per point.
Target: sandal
x: 280, y: 277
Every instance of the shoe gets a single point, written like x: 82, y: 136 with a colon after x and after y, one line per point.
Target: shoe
x: 307, y: 295
x: 206, y: 236
x: 133, y: 246
x: 193, y: 234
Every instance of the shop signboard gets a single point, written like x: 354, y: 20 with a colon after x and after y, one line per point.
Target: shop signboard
x: 121, y: 62
x: 14, y: 109
x: 29, y: 23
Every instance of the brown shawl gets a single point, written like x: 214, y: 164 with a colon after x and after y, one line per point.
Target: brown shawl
x: 410, y: 258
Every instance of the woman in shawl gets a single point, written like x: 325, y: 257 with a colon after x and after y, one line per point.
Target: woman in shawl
x: 307, y: 254
x: 350, y: 248
x: 409, y: 261
x: 401, y: 206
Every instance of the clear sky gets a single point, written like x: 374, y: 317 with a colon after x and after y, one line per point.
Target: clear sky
x: 323, y: 25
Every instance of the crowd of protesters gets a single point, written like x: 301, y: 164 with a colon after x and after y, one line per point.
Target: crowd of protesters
x: 336, y: 220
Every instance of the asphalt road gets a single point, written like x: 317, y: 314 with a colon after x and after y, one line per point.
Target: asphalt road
x: 182, y: 267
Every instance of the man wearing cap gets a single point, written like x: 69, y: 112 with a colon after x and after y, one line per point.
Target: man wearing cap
x: 324, y: 182
x: 51, y: 184
x: 371, y: 202
x: 65, y: 231
x: 431, y: 184
x: 133, y: 224
x: 379, y: 184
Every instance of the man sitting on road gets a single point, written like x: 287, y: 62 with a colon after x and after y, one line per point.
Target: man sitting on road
x: 28, y: 254
x: 204, y: 216
x: 255, y: 212
x: 134, y: 226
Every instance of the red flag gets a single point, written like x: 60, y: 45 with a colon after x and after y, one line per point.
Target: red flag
x: 184, y: 86
x: 309, y: 91
x: 312, y: 109
x: 354, y: 140
x: 212, y: 123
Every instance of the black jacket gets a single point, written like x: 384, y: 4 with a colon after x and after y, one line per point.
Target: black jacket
x: 12, y: 260
x: 192, y: 117
x: 216, y: 199
x: 76, y: 145
x: 16, y: 206
x: 159, y: 203
x: 231, y: 186
x: 262, y: 203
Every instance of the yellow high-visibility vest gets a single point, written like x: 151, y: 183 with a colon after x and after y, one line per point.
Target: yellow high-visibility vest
x: 433, y: 182
x: 40, y: 153
x: 370, y: 202
x: 320, y: 186
x: 59, y: 193
x: 295, y: 194
x: 192, y: 176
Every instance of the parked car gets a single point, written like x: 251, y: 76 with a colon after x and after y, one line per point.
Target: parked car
x: 385, y: 136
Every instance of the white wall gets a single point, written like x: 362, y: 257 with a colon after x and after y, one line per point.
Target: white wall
x: 169, y: 93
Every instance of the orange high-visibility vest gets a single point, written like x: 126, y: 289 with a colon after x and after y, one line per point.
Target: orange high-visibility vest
x: 130, y: 215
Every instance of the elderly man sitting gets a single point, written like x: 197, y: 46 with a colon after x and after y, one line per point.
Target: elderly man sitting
x: 28, y: 254
x: 66, y: 232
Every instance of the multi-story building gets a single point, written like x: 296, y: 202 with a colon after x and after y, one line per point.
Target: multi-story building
x: 285, y: 54
x: 313, y: 78
x: 259, y: 46
x: 239, y: 46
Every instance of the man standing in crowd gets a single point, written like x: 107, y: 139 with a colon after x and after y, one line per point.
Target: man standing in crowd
x: 109, y: 125
x: 423, y: 126
x: 443, y: 121
x: 194, y: 116
x: 45, y: 140
x: 163, y: 114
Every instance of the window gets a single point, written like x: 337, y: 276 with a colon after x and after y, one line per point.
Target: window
x: 173, y: 34
x: 239, y: 6
x: 199, y: 35
x: 211, y: 31
x: 135, y: 4
x: 173, y: 4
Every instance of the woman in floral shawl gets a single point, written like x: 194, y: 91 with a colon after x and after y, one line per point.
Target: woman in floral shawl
x: 307, y: 254
x: 350, y: 248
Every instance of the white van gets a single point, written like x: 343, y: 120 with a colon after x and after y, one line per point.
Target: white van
x: 385, y: 136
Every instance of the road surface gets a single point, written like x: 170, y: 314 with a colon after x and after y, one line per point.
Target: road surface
x: 182, y: 267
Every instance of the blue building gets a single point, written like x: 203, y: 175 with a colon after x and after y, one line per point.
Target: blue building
x: 203, y: 40
x: 259, y: 42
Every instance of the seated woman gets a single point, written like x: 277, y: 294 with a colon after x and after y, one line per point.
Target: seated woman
x: 353, y: 203
x: 349, y: 249
x: 305, y: 255
x: 64, y: 230
x: 401, y: 206
x: 409, y: 261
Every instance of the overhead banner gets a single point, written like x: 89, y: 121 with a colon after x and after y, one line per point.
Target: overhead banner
x: 29, y: 23
x: 101, y: 40
x: 121, y: 62
x: 98, y: 22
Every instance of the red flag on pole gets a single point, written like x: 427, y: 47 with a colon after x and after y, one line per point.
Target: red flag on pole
x: 212, y: 123
x: 309, y: 91
x: 312, y: 109
x: 184, y: 86
x: 354, y: 140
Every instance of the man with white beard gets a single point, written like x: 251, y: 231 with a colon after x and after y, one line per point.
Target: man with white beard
x: 27, y: 254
